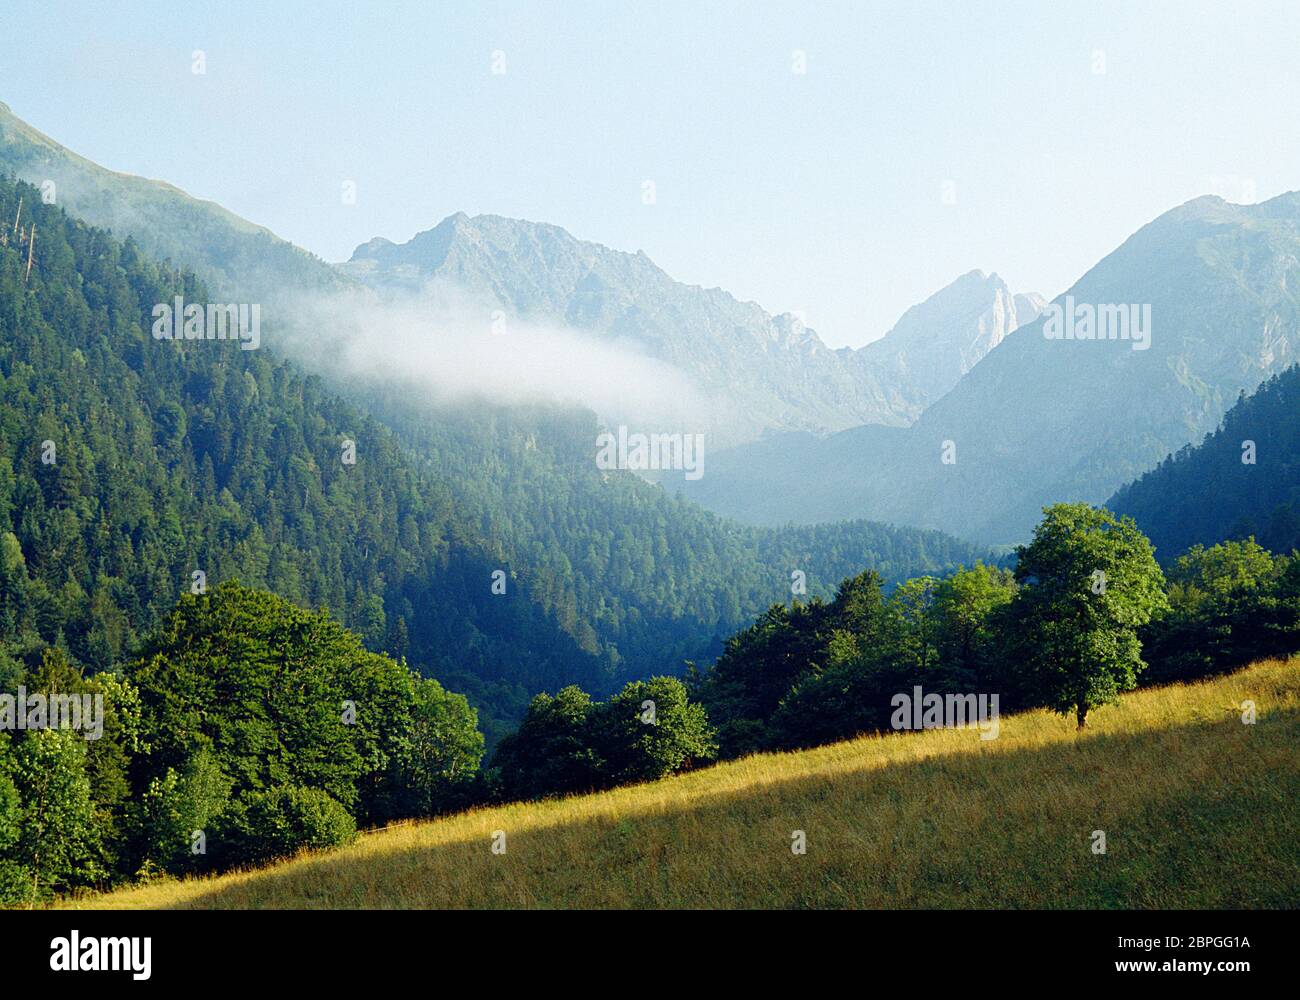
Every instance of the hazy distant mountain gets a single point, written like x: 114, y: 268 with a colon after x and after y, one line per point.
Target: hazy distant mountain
x: 777, y: 373
x: 1041, y: 420
x: 938, y: 341
x: 774, y: 371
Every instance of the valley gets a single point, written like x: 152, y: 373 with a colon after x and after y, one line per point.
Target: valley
x: 425, y: 595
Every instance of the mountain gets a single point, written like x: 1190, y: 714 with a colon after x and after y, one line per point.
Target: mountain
x: 1042, y: 419
x: 763, y: 372
x: 770, y: 370
x: 1244, y: 479
x: 238, y: 259
x: 938, y: 341
x: 170, y: 457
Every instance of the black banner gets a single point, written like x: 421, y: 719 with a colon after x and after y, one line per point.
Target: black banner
x: 168, y: 949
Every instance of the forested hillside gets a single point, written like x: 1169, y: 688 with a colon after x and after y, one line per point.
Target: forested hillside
x: 167, y: 458
x: 1087, y: 613
x: 232, y: 254
x: 1242, y: 480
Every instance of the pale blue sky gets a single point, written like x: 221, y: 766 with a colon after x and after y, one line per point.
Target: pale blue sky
x: 819, y: 193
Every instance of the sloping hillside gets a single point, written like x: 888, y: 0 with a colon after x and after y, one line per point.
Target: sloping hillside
x: 1198, y: 810
x: 235, y: 257
x: 1244, y: 479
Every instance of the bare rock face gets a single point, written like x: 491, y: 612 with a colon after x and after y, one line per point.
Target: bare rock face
x: 938, y: 341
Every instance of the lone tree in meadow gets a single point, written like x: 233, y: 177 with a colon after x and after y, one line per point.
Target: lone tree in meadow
x: 1088, y: 581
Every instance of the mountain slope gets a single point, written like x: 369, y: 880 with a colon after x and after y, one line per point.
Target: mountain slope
x: 236, y: 258
x: 759, y: 372
x: 127, y: 464
x: 1244, y: 479
x: 764, y: 372
x: 1041, y: 420
x: 1200, y: 811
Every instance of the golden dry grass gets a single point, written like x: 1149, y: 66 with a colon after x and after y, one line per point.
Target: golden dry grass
x: 1199, y: 810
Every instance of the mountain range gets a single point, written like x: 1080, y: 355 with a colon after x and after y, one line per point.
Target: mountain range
x: 761, y: 373
x: 766, y: 372
x: 964, y: 417
x: 1043, y: 419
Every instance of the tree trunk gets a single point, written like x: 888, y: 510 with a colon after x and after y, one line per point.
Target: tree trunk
x: 1080, y: 713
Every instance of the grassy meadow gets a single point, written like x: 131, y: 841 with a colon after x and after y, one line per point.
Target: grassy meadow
x: 1198, y: 809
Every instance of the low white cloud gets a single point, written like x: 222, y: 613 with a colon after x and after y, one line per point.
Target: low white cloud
x: 462, y: 351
